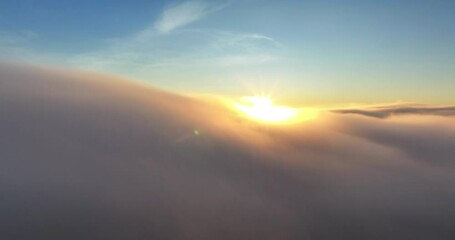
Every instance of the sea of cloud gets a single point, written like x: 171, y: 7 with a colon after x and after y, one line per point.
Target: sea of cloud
x: 92, y: 156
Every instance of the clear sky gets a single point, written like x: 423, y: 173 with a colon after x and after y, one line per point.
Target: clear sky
x: 310, y: 52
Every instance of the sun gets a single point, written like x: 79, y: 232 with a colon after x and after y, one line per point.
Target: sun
x: 262, y: 109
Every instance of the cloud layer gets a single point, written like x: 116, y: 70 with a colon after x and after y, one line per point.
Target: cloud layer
x: 89, y: 156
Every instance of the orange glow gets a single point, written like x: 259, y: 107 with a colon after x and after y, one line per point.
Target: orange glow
x: 262, y: 109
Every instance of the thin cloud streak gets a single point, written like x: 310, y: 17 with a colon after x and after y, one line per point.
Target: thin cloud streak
x: 406, y: 109
x: 166, y: 49
x: 147, y: 53
x: 183, y: 14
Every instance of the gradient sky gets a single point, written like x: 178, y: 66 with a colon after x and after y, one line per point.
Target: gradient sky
x: 308, y: 52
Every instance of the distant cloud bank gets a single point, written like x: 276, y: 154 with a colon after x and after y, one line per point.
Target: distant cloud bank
x: 91, y: 156
x: 406, y: 109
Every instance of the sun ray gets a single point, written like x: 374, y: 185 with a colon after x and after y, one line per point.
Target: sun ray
x: 262, y: 109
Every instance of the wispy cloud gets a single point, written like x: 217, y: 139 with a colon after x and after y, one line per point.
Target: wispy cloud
x: 167, y: 48
x: 15, y: 46
x: 147, y: 53
x: 21, y: 37
x: 246, y: 59
x: 184, y: 13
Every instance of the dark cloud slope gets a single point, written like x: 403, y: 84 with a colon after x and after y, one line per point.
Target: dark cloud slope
x: 87, y: 156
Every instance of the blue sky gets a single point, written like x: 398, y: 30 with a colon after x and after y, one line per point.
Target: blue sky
x: 313, y: 52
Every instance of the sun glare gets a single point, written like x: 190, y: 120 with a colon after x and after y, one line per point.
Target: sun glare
x: 262, y: 109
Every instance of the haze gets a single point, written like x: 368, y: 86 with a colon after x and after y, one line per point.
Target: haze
x: 227, y: 120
